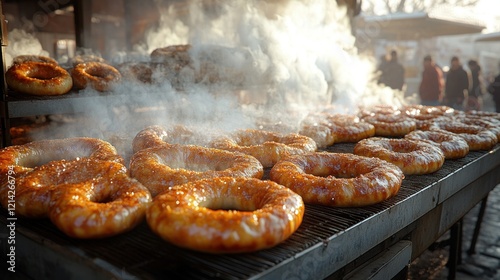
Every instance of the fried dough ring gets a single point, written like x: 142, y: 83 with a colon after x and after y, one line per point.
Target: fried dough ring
x: 259, y: 215
x: 85, y: 58
x: 451, y: 145
x: 425, y: 111
x: 100, y: 76
x: 96, y: 199
x: 25, y: 159
x: 326, y: 129
x: 33, y: 58
x: 426, y: 124
x: 314, y: 127
x: 268, y: 147
x: 34, y: 191
x: 320, y: 133
x: 348, y: 128
x: 276, y: 126
x: 379, y: 110
x: 413, y: 157
x: 488, y: 123
x: 342, y: 180
x: 38, y: 78
x: 391, y: 125
x: 172, y: 54
x: 478, y: 138
x: 157, y: 135
x: 424, y: 116
x: 165, y: 166
x: 493, y: 115
x: 151, y: 136
x: 137, y: 71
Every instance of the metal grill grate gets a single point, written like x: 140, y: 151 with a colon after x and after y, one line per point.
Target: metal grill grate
x: 142, y: 253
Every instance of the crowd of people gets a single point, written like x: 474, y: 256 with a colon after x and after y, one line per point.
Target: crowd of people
x: 458, y: 88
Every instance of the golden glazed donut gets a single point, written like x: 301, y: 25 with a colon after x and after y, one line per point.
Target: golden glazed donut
x: 151, y: 136
x: 157, y: 135
x: 320, y: 133
x: 474, y: 117
x: 413, y: 157
x: 342, y: 180
x: 177, y: 54
x: 488, y: 123
x: 391, y: 125
x: 379, y: 110
x: 24, y: 130
x: 451, y: 145
x: 428, y: 123
x: 326, y: 129
x: 93, y: 199
x: 275, y: 126
x: 268, y: 147
x: 226, y: 215
x: 348, y: 128
x: 478, y: 138
x: 23, y: 134
x: 426, y: 116
x: 38, y: 78
x: 24, y: 159
x: 315, y: 127
x: 136, y: 71
x: 493, y: 115
x: 85, y: 58
x: 33, y: 58
x: 423, y: 111
x: 162, y: 167
x: 100, y: 76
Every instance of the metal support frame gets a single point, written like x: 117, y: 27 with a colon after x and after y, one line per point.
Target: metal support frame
x: 12, y: 109
x: 477, y: 228
x: 456, y: 239
x: 5, y: 123
x: 455, y: 258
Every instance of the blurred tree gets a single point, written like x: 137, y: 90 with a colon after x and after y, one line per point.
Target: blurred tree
x: 408, y: 6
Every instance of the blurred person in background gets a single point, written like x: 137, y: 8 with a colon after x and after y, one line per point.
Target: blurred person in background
x: 475, y: 100
x: 457, y: 85
x: 381, y: 68
x: 432, y: 84
x: 494, y: 90
x: 393, y: 73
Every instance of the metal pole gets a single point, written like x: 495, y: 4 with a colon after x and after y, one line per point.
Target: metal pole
x: 6, y: 141
x: 83, y: 22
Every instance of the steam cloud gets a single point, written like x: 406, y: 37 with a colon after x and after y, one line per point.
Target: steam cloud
x: 294, y: 54
x: 289, y: 58
x: 22, y: 43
